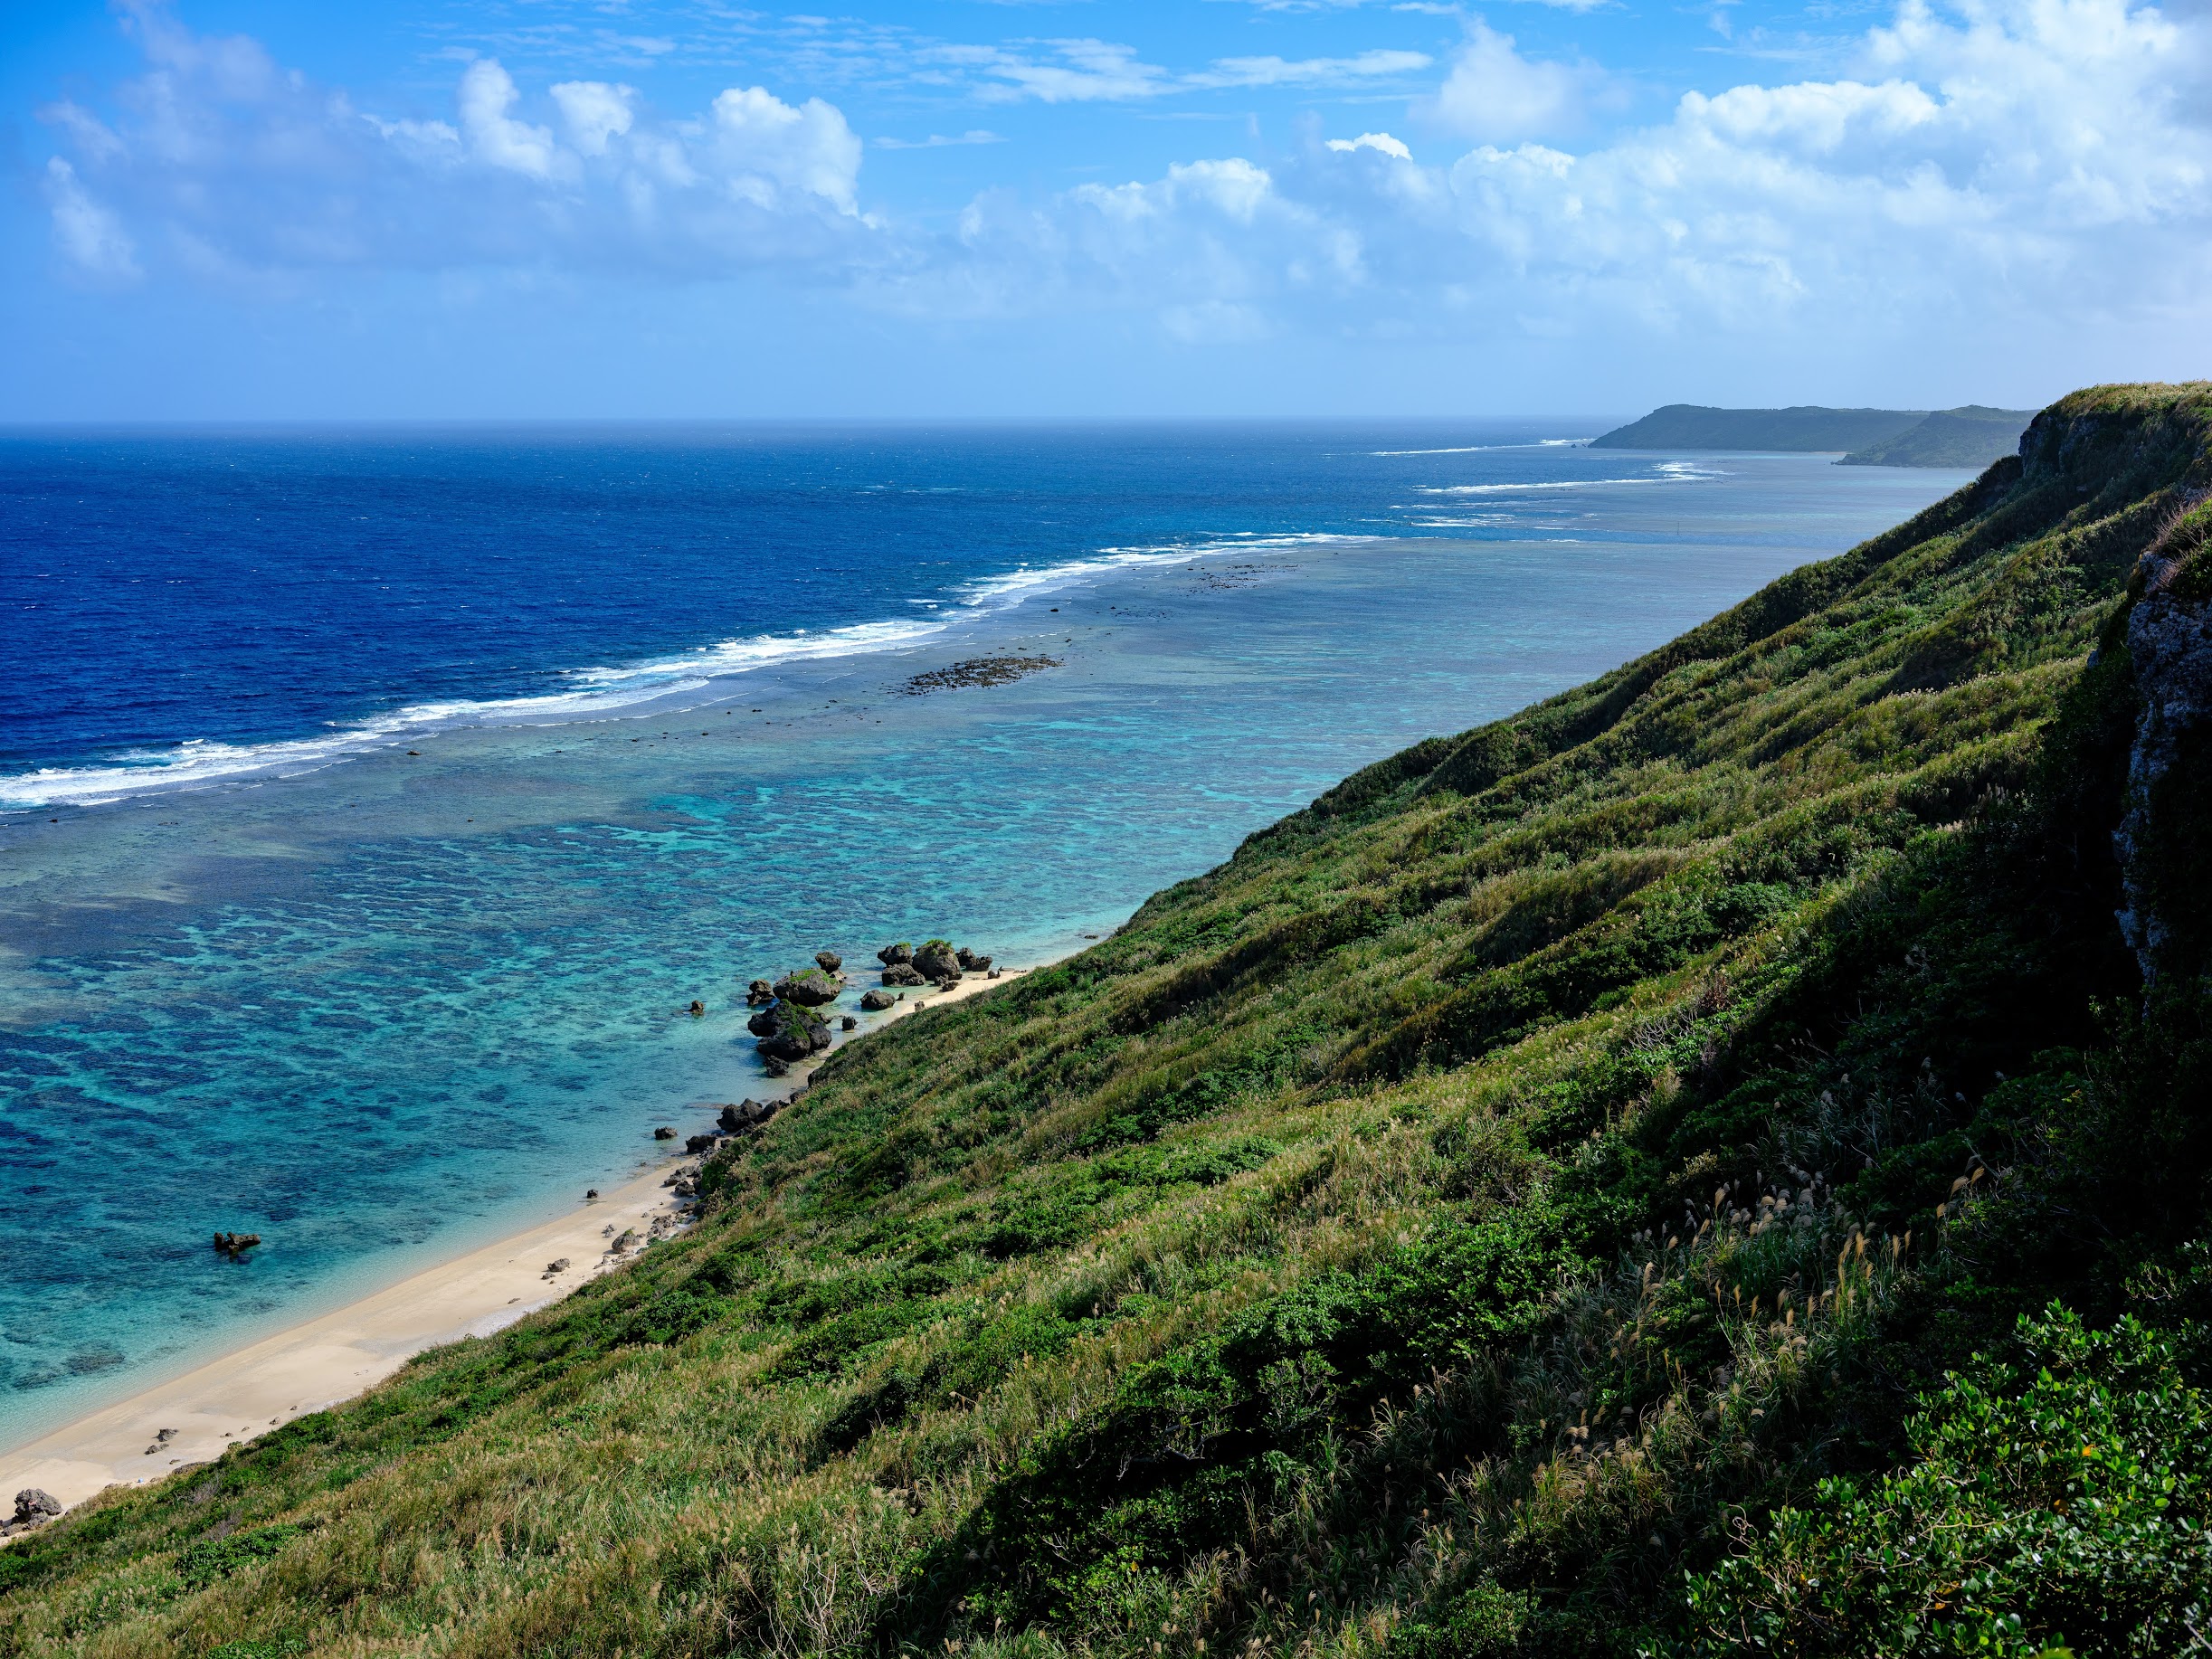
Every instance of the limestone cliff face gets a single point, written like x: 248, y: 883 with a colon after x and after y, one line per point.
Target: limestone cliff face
x: 2163, y: 838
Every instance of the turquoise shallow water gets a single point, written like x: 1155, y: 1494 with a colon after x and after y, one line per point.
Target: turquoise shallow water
x: 388, y: 1007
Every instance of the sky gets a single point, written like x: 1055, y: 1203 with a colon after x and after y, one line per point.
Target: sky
x: 577, y: 209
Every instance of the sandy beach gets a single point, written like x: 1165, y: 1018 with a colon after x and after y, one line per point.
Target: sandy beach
x: 337, y: 1355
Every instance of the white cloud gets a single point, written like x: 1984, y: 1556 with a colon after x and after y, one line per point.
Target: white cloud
x: 88, y: 234
x: 1494, y: 93
x: 1075, y: 72
x: 594, y: 112
x: 231, y: 168
x: 1271, y: 71
x: 1381, y: 141
x: 2041, y: 164
x: 762, y: 139
x: 487, y: 94
x: 938, y: 141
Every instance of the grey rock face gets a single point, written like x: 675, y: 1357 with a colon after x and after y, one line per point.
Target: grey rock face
x: 2170, y: 644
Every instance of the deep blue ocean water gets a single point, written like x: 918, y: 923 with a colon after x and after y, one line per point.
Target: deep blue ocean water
x: 263, y: 969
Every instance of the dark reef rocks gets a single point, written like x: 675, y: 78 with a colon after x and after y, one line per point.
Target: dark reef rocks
x: 903, y: 973
x: 758, y: 992
x: 34, y: 1506
x: 974, y: 671
x: 971, y: 961
x: 235, y: 1244
x: 876, y: 1001
x: 891, y: 955
x: 828, y: 962
x: 936, y: 961
x: 810, y: 987
x: 745, y: 1115
x: 792, y: 1032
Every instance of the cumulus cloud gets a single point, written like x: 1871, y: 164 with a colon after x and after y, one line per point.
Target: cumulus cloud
x: 218, y: 162
x: 2025, y: 159
x: 2020, y: 159
x: 1496, y: 94
x: 594, y: 112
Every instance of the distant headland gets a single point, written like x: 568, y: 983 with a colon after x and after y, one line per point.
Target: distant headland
x: 1970, y: 436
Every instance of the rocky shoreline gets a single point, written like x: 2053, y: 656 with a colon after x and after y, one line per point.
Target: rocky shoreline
x: 329, y: 1358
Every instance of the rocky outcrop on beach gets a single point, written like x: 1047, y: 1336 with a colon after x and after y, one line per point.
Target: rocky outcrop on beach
x: 937, y: 962
x: 876, y: 1001
x: 34, y: 1507
x: 745, y: 1115
x: 789, y: 1031
x: 810, y: 987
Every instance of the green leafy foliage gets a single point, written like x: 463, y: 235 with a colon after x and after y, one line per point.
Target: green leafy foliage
x: 2069, y: 1504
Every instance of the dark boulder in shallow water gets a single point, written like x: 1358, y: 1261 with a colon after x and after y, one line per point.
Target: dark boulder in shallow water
x: 797, y: 1033
x: 810, y: 988
x: 903, y: 973
x: 664, y: 1133
x: 236, y: 1244
x: 892, y: 953
x: 828, y: 962
x: 849, y: 1023
x: 936, y: 961
x: 758, y: 992
x: 876, y: 1001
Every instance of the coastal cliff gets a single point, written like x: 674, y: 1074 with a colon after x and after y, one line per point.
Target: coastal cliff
x: 1719, y: 1157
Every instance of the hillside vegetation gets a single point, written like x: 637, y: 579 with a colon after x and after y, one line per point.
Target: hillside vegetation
x: 1973, y: 435
x: 1718, y: 1159
x: 1694, y: 426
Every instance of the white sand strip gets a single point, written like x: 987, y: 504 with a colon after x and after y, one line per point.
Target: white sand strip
x: 324, y: 1360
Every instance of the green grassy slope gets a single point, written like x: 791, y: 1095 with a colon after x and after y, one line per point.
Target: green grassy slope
x: 1972, y: 436
x: 1694, y: 426
x: 1697, y: 1162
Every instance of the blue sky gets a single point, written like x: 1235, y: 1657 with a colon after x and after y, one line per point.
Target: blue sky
x: 438, y: 208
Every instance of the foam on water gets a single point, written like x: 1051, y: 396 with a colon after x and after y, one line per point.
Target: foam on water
x: 380, y: 1011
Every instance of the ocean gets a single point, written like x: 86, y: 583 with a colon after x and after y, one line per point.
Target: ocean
x: 373, y: 803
